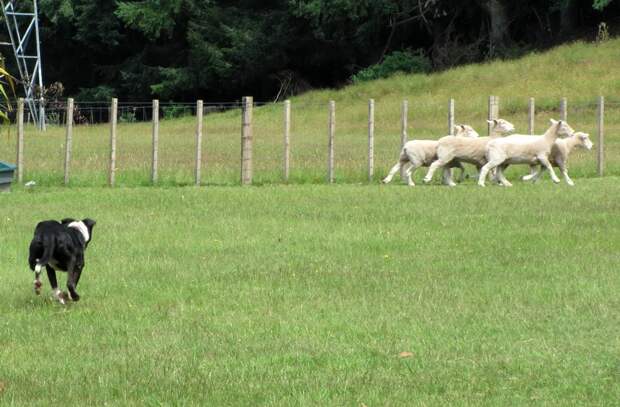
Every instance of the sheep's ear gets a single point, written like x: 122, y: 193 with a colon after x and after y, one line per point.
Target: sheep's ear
x: 553, y: 121
x: 490, y: 121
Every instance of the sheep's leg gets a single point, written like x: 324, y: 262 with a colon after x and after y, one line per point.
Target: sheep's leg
x: 499, y: 174
x: 447, y: 177
x: 410, y: 168
x: 533, y: 173
x: 494, y: 174
x: 564, y: 171
x: 485, y: 170
x: 477, y: 174
x: 431, y: 170
x: 569, y: 181
x: 540, y: 171
x: 393, y: 171
x: 545, y: 162
x: 463, y: 174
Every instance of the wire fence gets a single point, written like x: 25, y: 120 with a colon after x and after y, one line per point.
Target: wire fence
x: 86, y: 112
x: 44, y: 153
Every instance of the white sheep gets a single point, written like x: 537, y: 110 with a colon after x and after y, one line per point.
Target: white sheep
x: 559, y: 155
x: 421, y: 153
x: 523, y: 149
x: 461, y: 149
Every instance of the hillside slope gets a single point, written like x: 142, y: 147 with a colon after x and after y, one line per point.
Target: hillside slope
x: 577, y: 70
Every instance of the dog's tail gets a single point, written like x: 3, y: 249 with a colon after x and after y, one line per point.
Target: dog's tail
x: 48, y: 252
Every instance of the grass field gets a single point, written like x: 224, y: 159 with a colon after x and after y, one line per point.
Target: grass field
x: 306, y: 295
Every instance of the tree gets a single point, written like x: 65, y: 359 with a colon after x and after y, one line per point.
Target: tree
x: 6, y: 81
x: 220, y: 49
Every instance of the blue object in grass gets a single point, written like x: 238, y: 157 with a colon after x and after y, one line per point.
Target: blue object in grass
x: 6, y: 176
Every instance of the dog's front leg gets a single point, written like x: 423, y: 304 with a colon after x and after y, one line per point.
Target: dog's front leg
x: 51, y: 276
x: 72, y: 280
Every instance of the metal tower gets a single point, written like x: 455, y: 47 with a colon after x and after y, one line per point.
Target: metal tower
x: 22, y: 23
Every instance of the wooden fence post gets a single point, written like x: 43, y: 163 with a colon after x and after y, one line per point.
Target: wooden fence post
x: 531, y: 116
x: 490, y: 115
x: 403, y: 130
x: 287, y: 139
x: 42, y: 125
x: 199, y: 114
x: 113, y: 120
x: 20, y: 140
x: 155, y: 119
x: 330, y: 144
x: 403, y: 123
x: 601, y: 136
x: 371, y: 139
x: 451, y: 117
x: 493, y: 110
x: 69, y: 139
x: 246, y: 140
x: 563, y: 109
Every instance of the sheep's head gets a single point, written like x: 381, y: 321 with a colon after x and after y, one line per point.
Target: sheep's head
x: 562, y: 128
x: 584, y: 140
x: 501, y: 126
x: 464, y: 130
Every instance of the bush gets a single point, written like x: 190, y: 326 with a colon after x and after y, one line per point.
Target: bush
x: 398, y: 61
x: 173, y: 111
x: 128, y: 115
x: 100, y: 93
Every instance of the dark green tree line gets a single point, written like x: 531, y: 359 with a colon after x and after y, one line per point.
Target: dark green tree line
x: 218, y: 50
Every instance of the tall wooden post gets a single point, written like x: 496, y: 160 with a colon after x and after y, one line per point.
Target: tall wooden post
x: 113, y: 121
x: 451, y: 117
x: 330, y: 143
x: 563, y: 109
x: 371, y: 139
x: 69, y: 139
x: 493, y: 111
x: 531, y: 116
x: 287, y: 139
x: 155, y: 131
x: 199, y: 114
x: 404, y: 111
x: 403, y: 122
x: 42, y: 124
x: 601, y: 136
x: 246, y: 140
x: 20, y: 140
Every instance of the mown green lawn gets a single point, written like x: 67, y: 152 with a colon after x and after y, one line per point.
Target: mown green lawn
x: 306, y: 295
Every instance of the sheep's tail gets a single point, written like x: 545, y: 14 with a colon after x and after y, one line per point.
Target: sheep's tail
x: 403, y: 153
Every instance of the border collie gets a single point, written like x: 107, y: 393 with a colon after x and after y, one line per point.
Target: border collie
x: 60, y: 246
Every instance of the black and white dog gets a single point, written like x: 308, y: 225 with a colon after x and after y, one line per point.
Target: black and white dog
x: 60, y: 246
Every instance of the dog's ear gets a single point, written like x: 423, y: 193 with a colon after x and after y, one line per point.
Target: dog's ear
x: 89, y: 223
x: 66, y: 221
